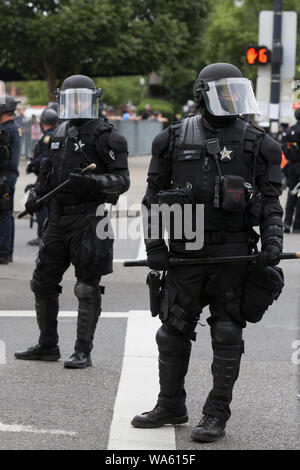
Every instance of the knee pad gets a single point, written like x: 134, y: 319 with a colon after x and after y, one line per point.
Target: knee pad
x: 226, y: 333
x: 86, y: 292
x: 168, y: 339
x: 43, y: 286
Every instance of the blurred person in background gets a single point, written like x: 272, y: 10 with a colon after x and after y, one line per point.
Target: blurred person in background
x: 291, y: 148
x: 48, y: 122
x: 36, y: 133
x: 10, y: 148
x: 130, y: 115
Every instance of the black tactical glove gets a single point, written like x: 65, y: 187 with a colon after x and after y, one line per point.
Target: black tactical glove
x: 81, y: 183
x: 269, y: 256
x: 31, y: 203
x: 158, y: 258
x: 29, y: 187
x: 29, y: 168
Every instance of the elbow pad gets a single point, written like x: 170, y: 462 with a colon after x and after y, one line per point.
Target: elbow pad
x: 111, y: 183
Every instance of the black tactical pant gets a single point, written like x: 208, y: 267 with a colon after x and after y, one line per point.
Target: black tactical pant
x: 292, y: 212
x: 70, y: 239
x: 190, y: 288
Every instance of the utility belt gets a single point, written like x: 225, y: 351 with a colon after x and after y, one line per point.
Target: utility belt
x: 212, y: 238
x: 80, y: 208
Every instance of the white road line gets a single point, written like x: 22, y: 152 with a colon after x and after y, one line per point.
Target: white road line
x: 138, y: 386
x: 138, y: 389
x: 21, y: 428
x: 63, y: 313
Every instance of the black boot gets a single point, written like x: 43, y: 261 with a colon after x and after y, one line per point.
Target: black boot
x: 78, y: 360
x: 159, y: 417
x: 209, y: 429
x: 173, y: 361
x: 225, y: 370
x: 174, y: 354
x: 89, y: 309
x: 39, y: 353
x: 46, y: 315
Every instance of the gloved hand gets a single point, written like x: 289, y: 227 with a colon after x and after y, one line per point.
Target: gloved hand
x: 29, y: 168
x: 158, y: 258
x: 31, y: 203
x: 81, y: 183
x: 269, y: 256
x: 29, y: 187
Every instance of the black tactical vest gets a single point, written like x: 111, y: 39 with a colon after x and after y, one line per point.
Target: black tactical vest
x: 193, y: 166
x: 68, y: 153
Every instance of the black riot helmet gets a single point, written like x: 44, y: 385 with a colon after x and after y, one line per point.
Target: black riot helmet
x: 223, y: 91
x: 53, y: 105
x: 297, y: 114
x: 49, y: 117
x: 8, y: 104
x: 78, y: 98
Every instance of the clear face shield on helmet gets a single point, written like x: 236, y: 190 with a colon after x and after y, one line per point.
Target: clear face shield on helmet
x: 230, y: 97
x: 78, y: 103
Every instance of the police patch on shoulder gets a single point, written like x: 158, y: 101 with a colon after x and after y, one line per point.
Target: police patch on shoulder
x: 55, y: 145
x: 46, y: 139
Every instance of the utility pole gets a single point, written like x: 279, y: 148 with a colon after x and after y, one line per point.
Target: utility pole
x: 277, y: 57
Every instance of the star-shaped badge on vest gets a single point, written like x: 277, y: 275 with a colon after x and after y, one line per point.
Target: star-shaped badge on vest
x: 79, y: 145
x: 225, y: 154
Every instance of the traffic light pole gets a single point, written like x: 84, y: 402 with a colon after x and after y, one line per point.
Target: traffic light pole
x: 277, y: 56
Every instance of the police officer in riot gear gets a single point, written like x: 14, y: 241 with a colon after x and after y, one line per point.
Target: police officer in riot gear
x: 48, y: 122
x: 216, y: 158
x: 291, y: 148
x: 70, y: 237
x: 10, y: 149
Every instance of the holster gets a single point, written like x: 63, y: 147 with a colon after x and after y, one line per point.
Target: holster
x: 155, y: 284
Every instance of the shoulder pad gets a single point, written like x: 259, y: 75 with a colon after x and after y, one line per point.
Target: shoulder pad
x: 61, y: 129
x: 254, y: 128
x: 252, y: 137
x: 104, y: 126
x: 192, y: 132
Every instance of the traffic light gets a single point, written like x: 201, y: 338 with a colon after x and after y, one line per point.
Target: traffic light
x: 258, y: 55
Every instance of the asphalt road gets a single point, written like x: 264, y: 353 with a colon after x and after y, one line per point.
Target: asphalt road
x: 44, y: 406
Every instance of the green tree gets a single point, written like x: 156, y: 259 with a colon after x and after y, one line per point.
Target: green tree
x: 230, y: 29
x: 51, y: 39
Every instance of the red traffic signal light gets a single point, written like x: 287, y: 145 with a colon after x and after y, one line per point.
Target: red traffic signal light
x: 258, y: 55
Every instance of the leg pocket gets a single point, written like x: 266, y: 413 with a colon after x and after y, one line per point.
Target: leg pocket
x: 96, y: 248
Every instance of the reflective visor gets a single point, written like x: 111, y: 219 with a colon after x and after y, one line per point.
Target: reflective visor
x: 2, y: 92
x: 78, y: 103
x: 230, y: 97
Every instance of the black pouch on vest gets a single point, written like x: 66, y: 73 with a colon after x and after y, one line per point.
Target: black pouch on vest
x: 233, y: 194
x: 176, y: 196
x: 262, y: 286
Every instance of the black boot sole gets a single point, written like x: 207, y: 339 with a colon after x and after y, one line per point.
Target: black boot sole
x: 38, y: 358
x: 148, y: 424
x: 69, y: 365
x: 207, y: 438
